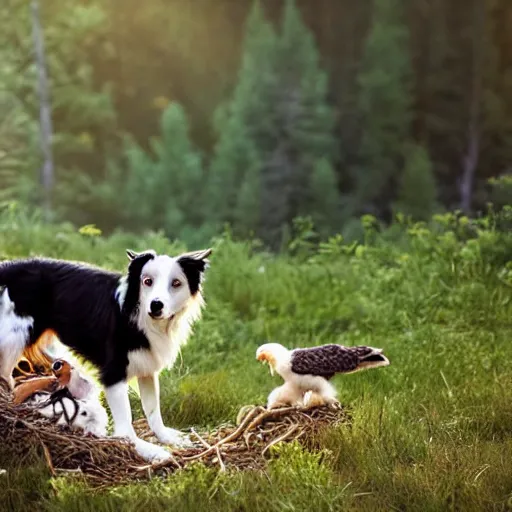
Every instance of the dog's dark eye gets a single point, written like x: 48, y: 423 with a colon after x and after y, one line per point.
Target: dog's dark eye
x: 176, y: 283
x: 84, y: 413
x: 148, y: 281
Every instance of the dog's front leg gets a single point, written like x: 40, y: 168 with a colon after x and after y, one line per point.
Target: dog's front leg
x: 117, y: 398
x: 149, y: 389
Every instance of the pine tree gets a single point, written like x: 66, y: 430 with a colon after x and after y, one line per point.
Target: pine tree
x: 82, y: 112
x: 178, y: 169
x: 247, y: 210
x: 138, y: 189
x: 384, y: 105
x: 304, y: 126
x: 235, y: 154
x: 243, y: 122
x: 417, y: 194
x: 325, y: 198
x: 275, y: 129
x: 169, y: 180
x: 18, y: 149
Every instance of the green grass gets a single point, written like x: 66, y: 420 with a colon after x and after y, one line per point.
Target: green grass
x: 433, y: 431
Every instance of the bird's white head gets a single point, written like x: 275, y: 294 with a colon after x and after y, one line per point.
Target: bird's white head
x: 275, y: 355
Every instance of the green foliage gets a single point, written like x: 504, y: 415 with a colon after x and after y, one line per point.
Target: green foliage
x: 166, y: 184
x: 275, y: 105
x: 417, y: 195
x: 501, y: 190
x: 325, y: 198
x: 247, y: 211
x: 303, y: 238
x: 82, y: 111
x: 276, y: 128
x: 17, y: 148
x: 384, y: 103
x: 26, y: 482
x: 429, y: 432
x: 241, y: 124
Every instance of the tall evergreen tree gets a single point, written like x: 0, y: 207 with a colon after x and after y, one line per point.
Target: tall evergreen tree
x: 243, y: 122
x: 18, y: 143
x: 384, y: 102
x: 305, y: 124
x: 169, y: 179
x: 417, y: 193
x: 82, y: 111
x: 178, y: 166
x: 325, y: 198
x: 247, y: 213
x: 277, y: 126
x: 140, y: 183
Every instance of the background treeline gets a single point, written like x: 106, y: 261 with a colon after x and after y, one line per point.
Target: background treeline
x: 185, y: 116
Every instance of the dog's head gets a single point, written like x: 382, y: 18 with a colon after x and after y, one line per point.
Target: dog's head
x: 160, y: 286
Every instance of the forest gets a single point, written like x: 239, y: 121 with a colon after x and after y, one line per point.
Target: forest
x: 350, y: 164
x: 192, y: 117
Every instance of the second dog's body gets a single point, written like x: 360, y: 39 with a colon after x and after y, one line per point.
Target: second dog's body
x: 127, y: 326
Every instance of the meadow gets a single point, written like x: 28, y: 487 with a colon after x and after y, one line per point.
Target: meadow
x: 430, y: 432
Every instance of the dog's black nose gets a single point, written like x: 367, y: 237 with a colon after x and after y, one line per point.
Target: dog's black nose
x: 156, y: 307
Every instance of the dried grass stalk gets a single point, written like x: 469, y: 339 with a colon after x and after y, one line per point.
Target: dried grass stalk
x: 108, y: 461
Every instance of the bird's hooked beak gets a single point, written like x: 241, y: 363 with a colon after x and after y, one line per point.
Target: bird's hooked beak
x: 265, y: 357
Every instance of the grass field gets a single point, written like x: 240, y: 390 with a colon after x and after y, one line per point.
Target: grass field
x: 433, y: 431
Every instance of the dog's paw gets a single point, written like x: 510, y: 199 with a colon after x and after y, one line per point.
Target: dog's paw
x: 174, y: 437
x: 151, y: 452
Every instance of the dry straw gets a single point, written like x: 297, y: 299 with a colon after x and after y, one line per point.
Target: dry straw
x: 108, y: 461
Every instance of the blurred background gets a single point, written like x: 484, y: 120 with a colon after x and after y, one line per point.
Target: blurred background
x: 187, y: 116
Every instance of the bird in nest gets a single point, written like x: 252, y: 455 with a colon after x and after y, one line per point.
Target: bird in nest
x: 306, y: 371
x: 67, y: 397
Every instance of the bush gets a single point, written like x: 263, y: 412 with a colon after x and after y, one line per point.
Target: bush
x: 428, y: 433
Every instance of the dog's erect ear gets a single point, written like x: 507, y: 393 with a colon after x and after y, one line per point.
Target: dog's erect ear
x: 133, y: 255
x: 197, y: 255
x: 4, y: 294
x: 194, y: 264
x: 137, y: 262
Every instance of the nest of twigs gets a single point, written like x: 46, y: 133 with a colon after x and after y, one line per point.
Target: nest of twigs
x: 109, y: 461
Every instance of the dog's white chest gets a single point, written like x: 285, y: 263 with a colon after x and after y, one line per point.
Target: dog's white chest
x: 161, y: 354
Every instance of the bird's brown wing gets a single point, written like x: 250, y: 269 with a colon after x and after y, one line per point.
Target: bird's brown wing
x: 327, y: 360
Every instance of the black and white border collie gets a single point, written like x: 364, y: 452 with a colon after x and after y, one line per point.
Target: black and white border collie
x: 128, y: 326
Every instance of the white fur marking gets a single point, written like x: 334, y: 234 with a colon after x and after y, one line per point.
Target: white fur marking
x: 95, y: 419
x: 169, y: 332
x: 14, y: 336
x: 165, y: 337
x: 121, y: 291
x: 117, y: 398
x: 163, y: 270
x: 91, y: 417
x: 149, y: 389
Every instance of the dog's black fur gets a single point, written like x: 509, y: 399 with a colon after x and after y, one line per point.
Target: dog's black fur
x: 80, y: 304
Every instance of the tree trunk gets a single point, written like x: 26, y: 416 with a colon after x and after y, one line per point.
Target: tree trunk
x: 45, y: 118
x: 470, y: 159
